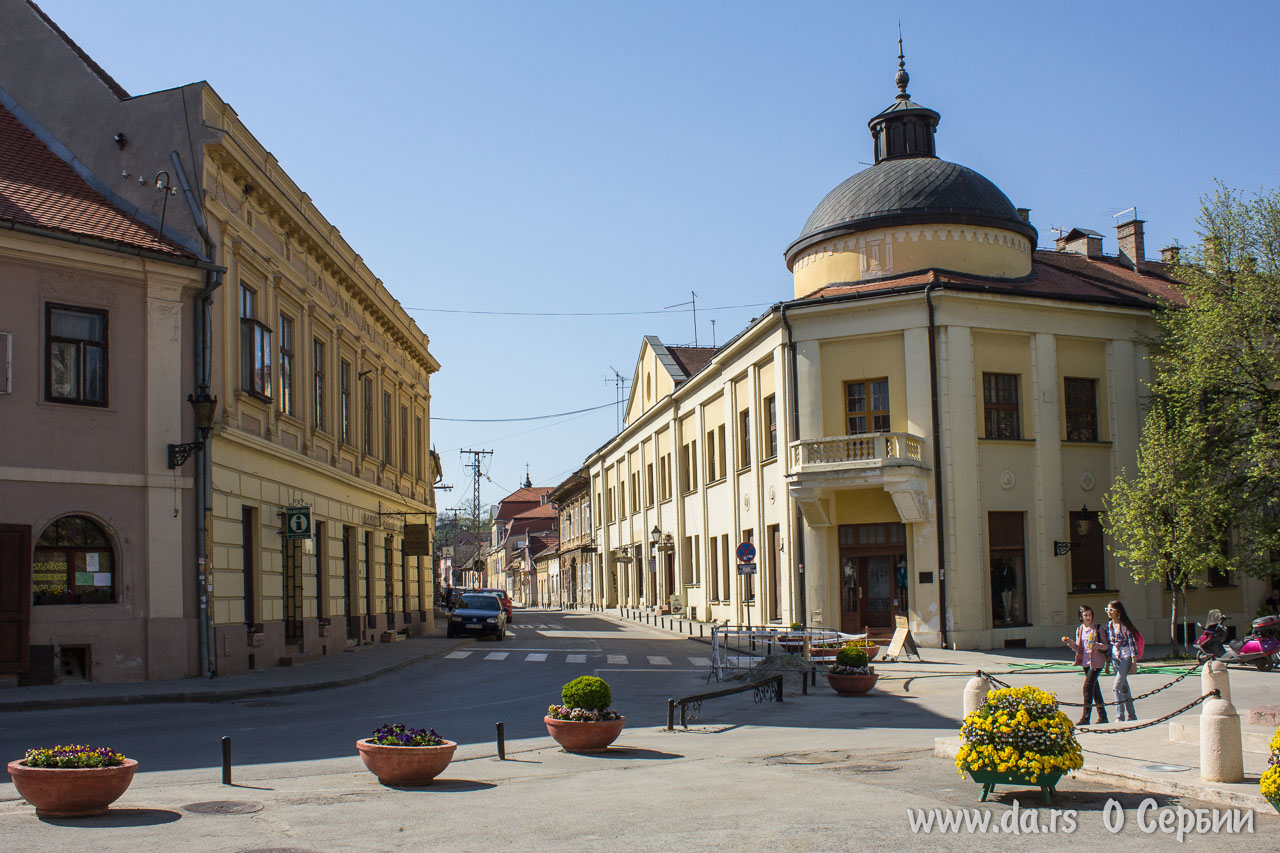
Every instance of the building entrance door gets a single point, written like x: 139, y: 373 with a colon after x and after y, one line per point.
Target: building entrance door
x: 15, y: 598
x: 670, y: 558
x: 349, y: 588
x: 873, y: 558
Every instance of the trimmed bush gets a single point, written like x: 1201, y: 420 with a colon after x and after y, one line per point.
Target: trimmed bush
x: 587, y: 692
x: 852, y: 656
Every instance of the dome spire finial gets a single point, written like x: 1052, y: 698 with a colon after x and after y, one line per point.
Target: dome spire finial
x: 902, y: 78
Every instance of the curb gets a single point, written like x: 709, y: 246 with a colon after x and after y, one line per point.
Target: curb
x: 947, y: 747
x: 219, y: 695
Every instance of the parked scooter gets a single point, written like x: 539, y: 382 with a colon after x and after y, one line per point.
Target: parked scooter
x: 1261, y: 648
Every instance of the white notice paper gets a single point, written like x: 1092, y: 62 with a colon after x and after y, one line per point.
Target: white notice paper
x: 102, y: 578
x: 91, y: 562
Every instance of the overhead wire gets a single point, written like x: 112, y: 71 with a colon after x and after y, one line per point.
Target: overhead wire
x: 581, y: 313
x: 514, y: 420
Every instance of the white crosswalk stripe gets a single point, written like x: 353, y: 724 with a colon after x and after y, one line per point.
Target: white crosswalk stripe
x: 700, y: 661
x: 536, y: 656
x: 659, y: 660
x: 618, y: 659
x: 458, y: 655
x: 575, y: 659
x: 496, y: 656
x: 580, y: 658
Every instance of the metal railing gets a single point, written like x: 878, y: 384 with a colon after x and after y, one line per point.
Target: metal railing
x: 735, y: 648
x: 857, y: 451
x: 766, y: 689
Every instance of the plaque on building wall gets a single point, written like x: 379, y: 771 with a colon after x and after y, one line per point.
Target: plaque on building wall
x: 417, y: 540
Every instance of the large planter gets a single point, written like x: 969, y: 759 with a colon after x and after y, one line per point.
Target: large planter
x: 852, y: 685
x: 405, y: 765
x: 71, y: 792
x: 579, y: 736
x: 988, y: 779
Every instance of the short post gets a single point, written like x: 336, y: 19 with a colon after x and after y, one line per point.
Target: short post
x: 1214, y: 677
x: 1221, y: 753
x: 975, y: 693
x: 226, y: 761
x: 502, y: 742
x: 671, y: 714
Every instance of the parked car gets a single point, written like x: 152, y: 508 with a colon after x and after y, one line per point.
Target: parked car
x: 478, y: 614
x: 505, y: 599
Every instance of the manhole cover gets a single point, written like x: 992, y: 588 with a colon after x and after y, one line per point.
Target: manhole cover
x: 259, y: 703
x: 1166, y: 768
x: 223, y: 807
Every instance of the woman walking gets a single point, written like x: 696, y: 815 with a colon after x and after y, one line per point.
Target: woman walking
x: 1091, y: 655
x: 1124, y: 641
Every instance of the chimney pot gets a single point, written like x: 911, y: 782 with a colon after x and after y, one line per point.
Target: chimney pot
x: 1129, y: 240
x: 1169, y: 254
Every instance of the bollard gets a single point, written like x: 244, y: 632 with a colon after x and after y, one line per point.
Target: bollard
x: 1221, y: 753
x: 226, y: 761
x: 975, y: 693
x: 1214, y: 677
x: 502, y: 742
x: 671, y: 714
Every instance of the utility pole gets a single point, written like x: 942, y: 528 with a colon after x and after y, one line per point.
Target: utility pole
x: 474, y: 465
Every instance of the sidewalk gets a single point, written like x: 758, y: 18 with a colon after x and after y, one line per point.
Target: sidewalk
x: 1148, y: 760
x: 360, y: 663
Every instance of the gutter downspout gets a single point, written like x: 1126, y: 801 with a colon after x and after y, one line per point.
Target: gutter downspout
x: 204, y: 468
x: 797, y: 537
x: 937, y: 464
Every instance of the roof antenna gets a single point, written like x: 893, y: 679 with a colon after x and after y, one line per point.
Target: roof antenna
x: 902, y: 78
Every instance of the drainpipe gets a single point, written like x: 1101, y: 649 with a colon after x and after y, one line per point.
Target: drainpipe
x: 797, y: 537
x: 937, y: 464
x: 204, y: 467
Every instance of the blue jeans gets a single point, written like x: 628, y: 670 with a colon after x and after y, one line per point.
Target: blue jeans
x: 1124, y: 698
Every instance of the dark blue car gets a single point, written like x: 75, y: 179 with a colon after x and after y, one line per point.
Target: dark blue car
x: 478, y: 614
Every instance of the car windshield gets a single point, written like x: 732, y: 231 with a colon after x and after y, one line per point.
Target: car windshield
x: 479, y: 602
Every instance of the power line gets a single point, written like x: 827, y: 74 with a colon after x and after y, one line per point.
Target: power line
x: 513, y: 420
x: 580, y: 313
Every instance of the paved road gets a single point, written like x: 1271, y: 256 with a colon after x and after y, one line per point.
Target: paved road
x: 461, y: 695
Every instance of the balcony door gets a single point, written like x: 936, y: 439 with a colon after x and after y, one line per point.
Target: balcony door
x: 873, y: 559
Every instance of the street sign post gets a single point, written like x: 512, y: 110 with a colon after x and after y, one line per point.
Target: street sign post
x: 746, y: 568
x: 297, y: 522
x: 746, y: 552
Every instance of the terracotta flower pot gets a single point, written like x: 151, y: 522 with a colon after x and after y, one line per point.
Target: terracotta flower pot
x: 71, y: 792
x: 578, y: 736
x: 405, y: 765
x: 852, y: 685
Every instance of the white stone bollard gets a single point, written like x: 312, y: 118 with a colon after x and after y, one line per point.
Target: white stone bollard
x: 1214, y: 677
x: 975, y: 693
x: 1221, y: 754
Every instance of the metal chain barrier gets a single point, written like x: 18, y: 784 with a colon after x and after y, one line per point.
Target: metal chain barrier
x: 1212, y: 694
x: 993, y: 680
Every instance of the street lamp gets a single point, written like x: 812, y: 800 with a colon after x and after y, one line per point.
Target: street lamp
x: 655, y: 535
x: 1083, y: 525
x: 204, y: 406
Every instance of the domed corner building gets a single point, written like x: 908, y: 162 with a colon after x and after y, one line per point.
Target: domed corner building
x: 920, y: 437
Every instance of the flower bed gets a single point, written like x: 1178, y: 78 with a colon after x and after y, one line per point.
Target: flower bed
x: 581, y: 715
x: 1020, y: 735
x: 74, y: 756
x: 398, y: 734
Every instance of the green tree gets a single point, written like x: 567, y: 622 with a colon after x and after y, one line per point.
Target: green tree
x: 1206, y: 492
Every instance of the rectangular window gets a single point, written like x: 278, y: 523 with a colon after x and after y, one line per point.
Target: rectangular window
x: 664, y: 478
x: 318, y: 389
x: 1082, y: 409
x: 711, y: 456
x: 713, y: 568
x: 286, y: 365
x: 1000, y: 405
x: 697, y: 559
x: 366, y: 391
x: 418, y: 446
x: 344, y: 401
x: 404, y: 439
x: 721, y: 456
x: 866, y: 405
x: 648, y: 483
x: 255, y: 347
x: 1006, y: 544
x: 635, y: 491
x: 75, y: 355
x: 689, y: 467
x: 1087, y: 566
x: 727, y: 585
x: 770, y: 427
x: 386, y: 427
x: 744, y: 439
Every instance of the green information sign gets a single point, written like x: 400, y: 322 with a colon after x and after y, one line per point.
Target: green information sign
x: 297, y: 522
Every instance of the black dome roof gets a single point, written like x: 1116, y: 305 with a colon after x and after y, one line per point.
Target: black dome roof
x: 909, y: 191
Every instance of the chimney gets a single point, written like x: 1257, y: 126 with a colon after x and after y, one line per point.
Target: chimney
x: 1080, y: 241
x: 1169, y: 254
x: 1129, y: 239
x: 1024, y: 213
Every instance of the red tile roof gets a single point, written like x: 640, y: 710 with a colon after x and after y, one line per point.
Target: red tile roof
x: 543, y: 511
x: 38, y: 189
x: 1054, y: 275
x: 539, y: 545
x: 692, y: 359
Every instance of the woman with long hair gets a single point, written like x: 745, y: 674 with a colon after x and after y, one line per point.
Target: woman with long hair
x: 1091, y: 655
x: 1123, y: 639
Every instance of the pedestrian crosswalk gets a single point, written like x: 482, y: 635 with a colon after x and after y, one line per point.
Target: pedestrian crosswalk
x: 579, y: 657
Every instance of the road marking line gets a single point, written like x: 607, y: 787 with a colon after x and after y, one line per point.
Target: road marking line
x: 575, y: 659
x: 458, y: 655
x: 536, y: 656
x: 496, y: 656
x: 617, y: 659
x: 659, y: 660
x: 700, y: 661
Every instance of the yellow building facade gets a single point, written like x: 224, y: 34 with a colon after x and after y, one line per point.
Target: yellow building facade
x: 926, y: 429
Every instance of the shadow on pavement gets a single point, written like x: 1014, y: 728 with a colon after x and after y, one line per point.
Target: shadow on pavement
x: 117, y: 818
x: 636, y: 752
x: 446, y: 786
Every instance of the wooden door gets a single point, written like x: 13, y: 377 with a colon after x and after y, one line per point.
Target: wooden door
x: 15, y: 598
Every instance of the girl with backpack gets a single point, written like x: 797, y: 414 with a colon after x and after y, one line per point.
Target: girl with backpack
x: 1125, y: 642
x: 1090, y: 647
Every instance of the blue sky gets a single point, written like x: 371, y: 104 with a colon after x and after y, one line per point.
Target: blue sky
x: 611, y: 157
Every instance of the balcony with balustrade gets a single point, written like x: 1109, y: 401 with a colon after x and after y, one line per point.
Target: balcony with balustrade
x: 897, y: 462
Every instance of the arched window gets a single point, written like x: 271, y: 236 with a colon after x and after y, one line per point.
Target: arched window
x: 73, y: 564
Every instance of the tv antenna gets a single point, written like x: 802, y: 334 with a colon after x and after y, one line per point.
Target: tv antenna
x: 693, y: 301
x: 618, y: 382
x: 1126, y: 210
